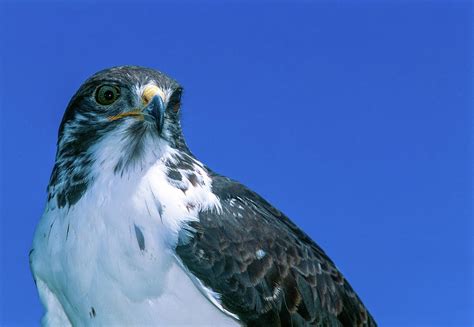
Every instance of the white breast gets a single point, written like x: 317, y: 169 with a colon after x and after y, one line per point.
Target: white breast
x: 109, y: 259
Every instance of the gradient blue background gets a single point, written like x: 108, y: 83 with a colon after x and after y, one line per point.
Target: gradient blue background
x: 353, y: 118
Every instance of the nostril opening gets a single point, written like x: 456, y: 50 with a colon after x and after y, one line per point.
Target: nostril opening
x: 146, y: 99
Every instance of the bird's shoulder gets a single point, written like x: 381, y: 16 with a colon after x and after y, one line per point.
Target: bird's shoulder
x: 265, y: 269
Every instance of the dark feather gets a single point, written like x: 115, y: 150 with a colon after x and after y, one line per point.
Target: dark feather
x: 268, y: 272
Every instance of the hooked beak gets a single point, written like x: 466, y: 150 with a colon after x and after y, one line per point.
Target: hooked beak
x: 154, y: 110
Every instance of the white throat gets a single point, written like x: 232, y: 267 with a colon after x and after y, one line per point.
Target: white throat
x: 145, y: 187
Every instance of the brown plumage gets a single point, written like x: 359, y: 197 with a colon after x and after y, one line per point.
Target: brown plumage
x: 268, y: 272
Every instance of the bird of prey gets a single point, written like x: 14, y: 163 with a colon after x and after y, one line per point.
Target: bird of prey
x: 138, y: 232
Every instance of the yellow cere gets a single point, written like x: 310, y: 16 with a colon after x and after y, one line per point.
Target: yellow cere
x: 149, y: 92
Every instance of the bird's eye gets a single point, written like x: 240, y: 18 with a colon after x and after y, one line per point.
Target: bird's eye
x: 107, y: 94
x: 175, y: 100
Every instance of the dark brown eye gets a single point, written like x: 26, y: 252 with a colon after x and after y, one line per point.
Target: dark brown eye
x: 175, y: 100
x: 107, y: 94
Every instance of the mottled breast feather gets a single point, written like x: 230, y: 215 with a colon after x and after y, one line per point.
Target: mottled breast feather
x: 267, y: 271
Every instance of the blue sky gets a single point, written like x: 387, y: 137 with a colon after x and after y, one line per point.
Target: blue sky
x: 351, y: 117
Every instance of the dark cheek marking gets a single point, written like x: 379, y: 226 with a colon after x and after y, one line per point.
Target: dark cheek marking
x: 140, y: 238
x: 92, y: 313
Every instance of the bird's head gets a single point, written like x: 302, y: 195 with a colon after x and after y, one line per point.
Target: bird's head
x: 127, y: 100
x: 120, y: 118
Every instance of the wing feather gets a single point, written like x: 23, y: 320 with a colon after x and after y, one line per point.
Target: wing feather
x: 266, y: 270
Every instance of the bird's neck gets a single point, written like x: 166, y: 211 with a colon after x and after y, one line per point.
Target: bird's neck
x: 169, y: 188
x: 114, y: 158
